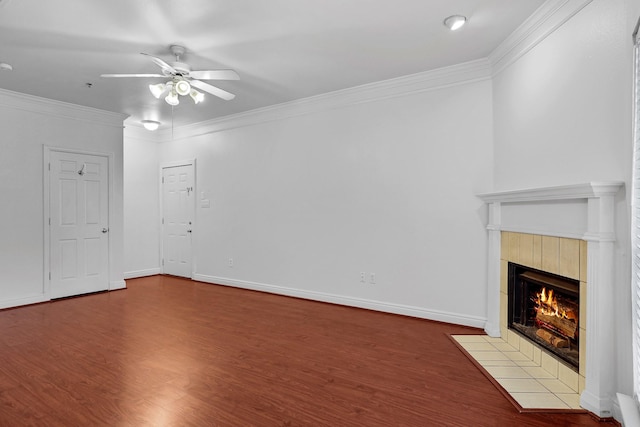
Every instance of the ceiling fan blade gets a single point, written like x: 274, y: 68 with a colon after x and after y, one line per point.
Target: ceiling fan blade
x: 161, y: 63
x: 212, y: 90
x: 133, y: 75
x: 214, y: 75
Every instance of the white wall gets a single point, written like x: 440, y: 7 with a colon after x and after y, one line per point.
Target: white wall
x: 563, y: 116
x: 562, y: 110
x: 141, y: 203
x: 304, y: 201
x: 28, y: 124
x: 303, y: 204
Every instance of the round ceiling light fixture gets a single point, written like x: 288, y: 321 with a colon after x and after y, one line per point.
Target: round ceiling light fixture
x: 150, y: 124
x: 455, y: 22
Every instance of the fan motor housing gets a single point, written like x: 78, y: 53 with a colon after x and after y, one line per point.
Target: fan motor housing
x: 182, y: 68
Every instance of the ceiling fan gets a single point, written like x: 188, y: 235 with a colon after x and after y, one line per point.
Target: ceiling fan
x: 182, y: 80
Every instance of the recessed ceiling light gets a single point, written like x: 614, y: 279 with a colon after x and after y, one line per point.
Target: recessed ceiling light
x: 150, y: 124
x: 455, y: 22
x: 5, y: 67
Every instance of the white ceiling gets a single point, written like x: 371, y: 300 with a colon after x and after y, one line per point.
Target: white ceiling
x: 282, y: 49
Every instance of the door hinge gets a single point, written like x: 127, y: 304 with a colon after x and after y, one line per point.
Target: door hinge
x: 163, y: 221
x: 49, y: 166
x: 49, y: 221
x: 163, y: 179
x: 163, y: 262
x: 49, y: 275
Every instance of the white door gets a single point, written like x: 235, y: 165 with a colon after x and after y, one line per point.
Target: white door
x: 177, y: 210
x: 79, y: 218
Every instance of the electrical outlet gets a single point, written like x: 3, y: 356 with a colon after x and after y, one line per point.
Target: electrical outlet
x: 372, y: 278
x: 362, y: 276
x: 230, y: 262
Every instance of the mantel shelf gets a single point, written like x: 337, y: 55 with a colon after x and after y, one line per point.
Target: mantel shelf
x: 566, y: 192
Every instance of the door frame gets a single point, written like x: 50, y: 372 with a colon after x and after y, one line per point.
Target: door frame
x: 174, y: 164
x: 47, y: 150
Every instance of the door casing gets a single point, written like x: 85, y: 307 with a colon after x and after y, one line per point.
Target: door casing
x: 165, y: 165
x: 47, y: 150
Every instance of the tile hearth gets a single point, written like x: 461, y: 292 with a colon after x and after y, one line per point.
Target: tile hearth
x: 530, y: 383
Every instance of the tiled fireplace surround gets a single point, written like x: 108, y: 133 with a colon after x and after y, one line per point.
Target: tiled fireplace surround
x: 558, y: 255
x: 569, y: 231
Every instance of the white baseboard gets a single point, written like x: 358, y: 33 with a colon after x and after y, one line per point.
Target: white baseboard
x: 17, y: 302
x: 142, y: 273
x: 492, y: 329
x: 117, y: 284
x: 602, y: 407
x: 8, y: 303
x: 406, y: 310
x: 629, y: 410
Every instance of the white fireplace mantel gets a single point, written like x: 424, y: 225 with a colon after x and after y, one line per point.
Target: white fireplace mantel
x: 581, y: 211
x: 565, y: 192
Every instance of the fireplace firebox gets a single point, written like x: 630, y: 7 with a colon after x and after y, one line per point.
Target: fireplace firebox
x: 545, y: 309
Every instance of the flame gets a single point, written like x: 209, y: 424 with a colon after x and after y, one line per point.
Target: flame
x: 548, y: 304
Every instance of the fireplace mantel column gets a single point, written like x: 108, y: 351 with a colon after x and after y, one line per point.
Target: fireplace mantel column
x: 600, y: 344
x: 492, y: 327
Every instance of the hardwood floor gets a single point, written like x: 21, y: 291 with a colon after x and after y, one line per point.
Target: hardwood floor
x: 172, y: 352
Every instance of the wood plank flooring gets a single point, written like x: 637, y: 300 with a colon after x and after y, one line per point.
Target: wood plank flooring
x: 172, y: 352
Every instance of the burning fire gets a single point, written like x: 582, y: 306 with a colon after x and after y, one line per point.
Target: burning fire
x: 548, y: 305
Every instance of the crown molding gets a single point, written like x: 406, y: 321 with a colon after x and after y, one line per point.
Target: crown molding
x: 543, y: 22
x: 50, y: 107
x: 440, y: 78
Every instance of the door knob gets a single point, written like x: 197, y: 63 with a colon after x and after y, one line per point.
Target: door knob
x: 104, y: 230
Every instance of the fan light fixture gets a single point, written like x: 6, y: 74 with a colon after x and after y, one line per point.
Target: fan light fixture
x: 179, y: 79
x: 183, y: 87
x: 455, y: 22
x: 172, y: 98
x: 173, y: 89
x: 197, y: 97
x: 150, y: 124
x: 157, y: 90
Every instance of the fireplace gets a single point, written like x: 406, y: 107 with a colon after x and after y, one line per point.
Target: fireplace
x: 540, y: 228
x: 545, y: 309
